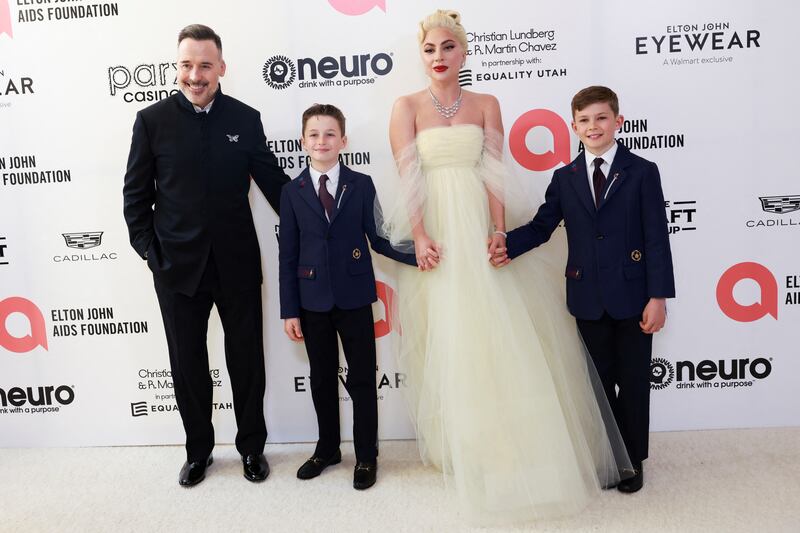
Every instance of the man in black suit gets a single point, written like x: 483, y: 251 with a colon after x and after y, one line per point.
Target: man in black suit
x: 188, y: 214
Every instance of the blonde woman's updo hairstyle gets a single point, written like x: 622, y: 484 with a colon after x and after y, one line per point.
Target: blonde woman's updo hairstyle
x: 444, y: 18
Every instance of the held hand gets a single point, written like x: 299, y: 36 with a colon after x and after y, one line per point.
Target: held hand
x: 497, y: 251
x: 654, y: 315
x: 292, y: 328
x: 427, y: 252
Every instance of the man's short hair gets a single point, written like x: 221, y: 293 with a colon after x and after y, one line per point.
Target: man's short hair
x: 198, y: 32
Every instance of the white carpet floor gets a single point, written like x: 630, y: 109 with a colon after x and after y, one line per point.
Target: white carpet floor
x: 711, y: 481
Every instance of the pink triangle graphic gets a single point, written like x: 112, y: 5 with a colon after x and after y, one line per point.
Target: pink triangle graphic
x: 5, y: 19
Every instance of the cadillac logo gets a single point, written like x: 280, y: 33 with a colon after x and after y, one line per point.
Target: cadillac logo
x: 780, y: 204
x: 83, y: 241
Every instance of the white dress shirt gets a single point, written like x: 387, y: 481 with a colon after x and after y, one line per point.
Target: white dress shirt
x: 206, y: 109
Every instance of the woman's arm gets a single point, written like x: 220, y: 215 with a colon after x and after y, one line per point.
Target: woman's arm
x: 493, y: 128
x: 402, y: 133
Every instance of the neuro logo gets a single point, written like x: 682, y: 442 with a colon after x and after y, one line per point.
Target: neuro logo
x: 83, y: 241
x: 768, y: 303
x: 279, y: 72
x: 386, y: 296
x: 357, y: 7
x: 779, y: 204
x: 5, y: 19
x: 661, y: 373
x: 38, y: 333
x: 138, y: 409
x: 517, y: 140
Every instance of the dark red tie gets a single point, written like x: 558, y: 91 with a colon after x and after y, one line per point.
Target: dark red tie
x: 324, y: 196
x: 599, y: 180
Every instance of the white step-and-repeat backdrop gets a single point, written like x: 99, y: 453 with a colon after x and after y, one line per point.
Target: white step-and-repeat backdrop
x: 707, y: 88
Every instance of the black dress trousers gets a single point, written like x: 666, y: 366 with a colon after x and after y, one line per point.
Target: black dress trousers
x: 186, y: 325
x: 621, y: 352
x: 357, y: 331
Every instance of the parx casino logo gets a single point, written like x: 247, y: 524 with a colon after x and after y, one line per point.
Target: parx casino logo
x: 146, y: 82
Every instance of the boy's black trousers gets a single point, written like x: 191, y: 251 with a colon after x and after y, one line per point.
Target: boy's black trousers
x: 356, y: 329
x: 621, y: 353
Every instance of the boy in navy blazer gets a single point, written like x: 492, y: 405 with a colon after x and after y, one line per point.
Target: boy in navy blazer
x: 619, y: 268
x: 327, y: 287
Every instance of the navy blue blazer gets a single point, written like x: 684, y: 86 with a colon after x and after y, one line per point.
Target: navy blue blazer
x: 323, y: 263
x: 619, y: 254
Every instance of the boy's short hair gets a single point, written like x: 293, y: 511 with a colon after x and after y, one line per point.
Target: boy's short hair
x: 324, y: 110
x: 198, y: 32
x: 593, y: 95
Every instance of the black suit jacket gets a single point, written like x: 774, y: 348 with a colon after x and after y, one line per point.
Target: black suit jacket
x: 186, y: 187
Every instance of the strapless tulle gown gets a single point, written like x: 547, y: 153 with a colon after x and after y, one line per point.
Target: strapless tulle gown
x: 499, y: 385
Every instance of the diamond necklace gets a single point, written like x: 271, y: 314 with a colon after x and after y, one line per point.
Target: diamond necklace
x: 446, y: 111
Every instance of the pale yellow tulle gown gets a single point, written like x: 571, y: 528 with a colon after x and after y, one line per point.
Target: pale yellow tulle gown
x: 499, y: 386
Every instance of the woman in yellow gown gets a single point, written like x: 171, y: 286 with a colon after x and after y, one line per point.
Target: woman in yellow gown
x: 500, y: 387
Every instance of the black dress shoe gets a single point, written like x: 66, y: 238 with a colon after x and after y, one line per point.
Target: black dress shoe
x: 194, y: 472
x: 255, y: 467
x: 634, y: 483
x: 364, y: 475
x: 314, y: 466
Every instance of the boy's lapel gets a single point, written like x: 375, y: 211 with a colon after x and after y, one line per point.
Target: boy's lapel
x: 580, y: 182
x: 308, y: 194
x: 616, y: 174
x: 345, y: 190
